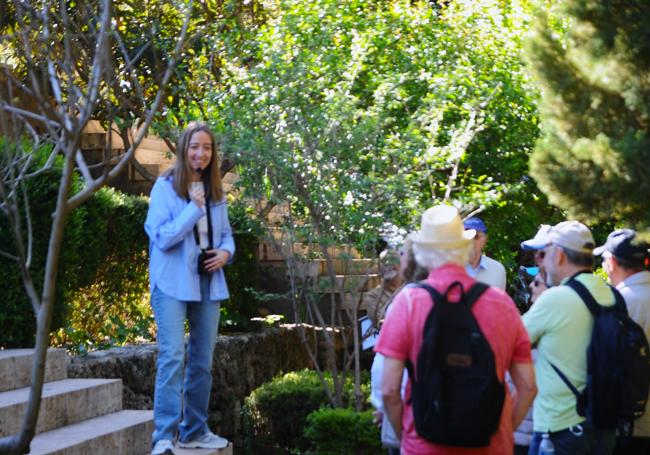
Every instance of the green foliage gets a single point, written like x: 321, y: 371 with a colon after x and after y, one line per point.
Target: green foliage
x: 592, y: 157
x: 360, y: 112
x: 102, y: 274
x: 275, y: 413
x: 242, y: 274
x: 343, y: 432
x: 355, y: 116
x: 108, y: 305
x: 17, y: 320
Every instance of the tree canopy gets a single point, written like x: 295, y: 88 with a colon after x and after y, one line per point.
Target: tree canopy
x: 593, y: 66
x: 361, y: 112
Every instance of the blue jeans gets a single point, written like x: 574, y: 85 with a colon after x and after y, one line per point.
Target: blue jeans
x: 579, y: 439
x: 174, y: 393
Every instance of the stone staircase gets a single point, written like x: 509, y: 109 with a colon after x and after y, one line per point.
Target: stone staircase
x: 77, y: 416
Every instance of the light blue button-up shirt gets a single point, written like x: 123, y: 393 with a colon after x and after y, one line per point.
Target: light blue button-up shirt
x: 173, y: 253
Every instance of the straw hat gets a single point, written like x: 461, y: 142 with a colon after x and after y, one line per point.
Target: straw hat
x: 442, y: 228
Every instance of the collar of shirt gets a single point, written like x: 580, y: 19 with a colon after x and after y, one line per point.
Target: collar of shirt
x: 642, y: 277
x: 471, y: 271
x: 449, y: 270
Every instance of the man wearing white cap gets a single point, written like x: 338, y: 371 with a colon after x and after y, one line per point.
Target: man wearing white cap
x: 443, y: 246
x: 560, y: 324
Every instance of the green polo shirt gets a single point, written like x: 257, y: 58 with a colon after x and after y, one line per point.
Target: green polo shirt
x: 560, y: 324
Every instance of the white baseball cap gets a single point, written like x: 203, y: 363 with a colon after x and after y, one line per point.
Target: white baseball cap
x: 571, y: 235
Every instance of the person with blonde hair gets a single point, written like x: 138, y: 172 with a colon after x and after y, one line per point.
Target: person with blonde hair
x: 190, y: 243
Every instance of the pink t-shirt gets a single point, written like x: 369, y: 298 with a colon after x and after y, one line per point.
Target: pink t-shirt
x: 401, y: 336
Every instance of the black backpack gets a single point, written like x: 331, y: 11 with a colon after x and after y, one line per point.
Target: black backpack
x: 456, y: 395
x: 618, y: 365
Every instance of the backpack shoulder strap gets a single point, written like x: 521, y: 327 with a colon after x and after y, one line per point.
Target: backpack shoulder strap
x: 435, y: 297
x: 474, y: 293
x: 620, y: 301
x: 585, y: 295
x: 568, y: 383
x: 594, y: 307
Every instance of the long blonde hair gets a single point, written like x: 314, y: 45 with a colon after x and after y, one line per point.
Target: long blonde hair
x: 182, y: 170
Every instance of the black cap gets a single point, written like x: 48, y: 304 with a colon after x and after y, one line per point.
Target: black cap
x: 622, y: 243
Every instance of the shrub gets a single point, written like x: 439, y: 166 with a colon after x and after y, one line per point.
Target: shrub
x: 17, y: 320
x: 275, y: 414
x: 242, y: 274
x: 343, y: 431
x: 110, y: 304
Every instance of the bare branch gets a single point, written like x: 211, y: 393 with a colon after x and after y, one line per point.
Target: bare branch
x: 48, y: 164
x: 142, y: 170
x: 13, y: 215
x: 88, y: 191
x: 29, y: 114
x: 54, y: 80
x: 83, y: 167
x: 10, y: 256
x: 130, y: 63
x: 102, y: 52
x: 28, y: 222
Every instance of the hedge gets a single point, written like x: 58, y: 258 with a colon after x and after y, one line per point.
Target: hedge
x: 102, y: 288
x: 343, y: 432
x: 275, y: 414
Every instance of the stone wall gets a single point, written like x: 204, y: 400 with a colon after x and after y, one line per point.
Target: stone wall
x: 241, y: 364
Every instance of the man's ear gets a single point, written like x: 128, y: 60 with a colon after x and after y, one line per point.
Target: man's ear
x: 559, y: 257
x: 613, y: 262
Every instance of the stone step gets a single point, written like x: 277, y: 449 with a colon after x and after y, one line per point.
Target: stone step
x: 16, y: 367
x: 123, y: 433
x: 63, y: 403
x: 226, y: 451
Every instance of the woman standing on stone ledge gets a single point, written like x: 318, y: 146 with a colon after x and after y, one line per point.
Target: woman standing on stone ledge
x: 190, y: 243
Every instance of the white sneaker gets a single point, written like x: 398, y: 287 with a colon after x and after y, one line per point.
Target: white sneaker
x: 208, y: 441
x: 163, y: 447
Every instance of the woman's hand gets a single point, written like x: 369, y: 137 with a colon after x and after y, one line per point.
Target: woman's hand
x: 217, y: 261
x: 197, y: 196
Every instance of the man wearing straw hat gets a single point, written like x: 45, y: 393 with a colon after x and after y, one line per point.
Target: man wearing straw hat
x: 443, y: 247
